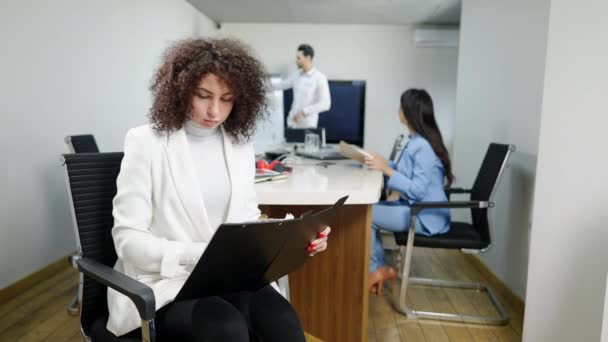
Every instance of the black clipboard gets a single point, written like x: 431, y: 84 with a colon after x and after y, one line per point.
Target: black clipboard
x: 248, y: 256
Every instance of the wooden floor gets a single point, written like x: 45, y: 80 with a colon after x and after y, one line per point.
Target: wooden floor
x: 387, y: 325
x: 39, y: 314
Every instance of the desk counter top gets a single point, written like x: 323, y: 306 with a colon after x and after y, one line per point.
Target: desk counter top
x: 322, y: 183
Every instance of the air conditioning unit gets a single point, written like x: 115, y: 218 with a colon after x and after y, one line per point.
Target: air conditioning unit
x: 436, y: 37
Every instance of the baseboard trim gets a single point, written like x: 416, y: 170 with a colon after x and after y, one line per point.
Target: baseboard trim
x: 517, y: 304
x: 29, y: 281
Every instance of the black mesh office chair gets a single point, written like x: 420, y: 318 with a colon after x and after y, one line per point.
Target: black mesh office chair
x: 469, y: 237
x: 84, y: 143
x: 91, y: 182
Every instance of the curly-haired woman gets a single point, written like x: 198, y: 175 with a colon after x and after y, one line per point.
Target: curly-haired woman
x: 182, y: 176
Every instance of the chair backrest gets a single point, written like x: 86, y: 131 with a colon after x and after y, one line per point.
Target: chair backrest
x: 91, y: 183
x: 396, y: 147
x: 488, y: 177
x: 84, y: 143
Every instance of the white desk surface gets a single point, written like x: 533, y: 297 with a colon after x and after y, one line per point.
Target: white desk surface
x: 314, y: 184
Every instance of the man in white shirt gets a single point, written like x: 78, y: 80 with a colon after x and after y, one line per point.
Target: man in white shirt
x: 310, y: 91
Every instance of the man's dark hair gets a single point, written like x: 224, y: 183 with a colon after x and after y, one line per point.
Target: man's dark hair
x: 307, y: 50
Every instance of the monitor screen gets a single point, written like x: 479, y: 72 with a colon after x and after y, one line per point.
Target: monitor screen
x: 346, y: 117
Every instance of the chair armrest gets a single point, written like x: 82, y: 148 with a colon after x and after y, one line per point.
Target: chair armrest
x: 141, y: 294
x: 418, y: 207
x: 457, y: 191
x: 450, y: 191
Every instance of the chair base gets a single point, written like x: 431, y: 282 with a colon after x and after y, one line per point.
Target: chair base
x: 399, y: 303
x: 399, y: 293
x: 73, y: 308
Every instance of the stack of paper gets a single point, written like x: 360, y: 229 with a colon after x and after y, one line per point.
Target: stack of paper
x: 264, y: 175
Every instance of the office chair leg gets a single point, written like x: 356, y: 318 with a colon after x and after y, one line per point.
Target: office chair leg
x: 73, y: 308
x: 503, y: 315
x: 398, y: 295
x: 148, y: 331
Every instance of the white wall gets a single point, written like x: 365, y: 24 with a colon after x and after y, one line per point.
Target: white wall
x: 70, y: 67
x: 569, y: 254
x: 384, y: 56
x: 499, y: 94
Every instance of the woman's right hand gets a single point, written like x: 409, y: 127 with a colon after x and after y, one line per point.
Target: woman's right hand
x: 320, y: 244
x: 378, y: 162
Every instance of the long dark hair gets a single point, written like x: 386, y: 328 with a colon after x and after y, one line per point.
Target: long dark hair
x: 417, y: 106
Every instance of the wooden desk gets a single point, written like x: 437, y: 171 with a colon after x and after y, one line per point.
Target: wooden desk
x: 330, y: 291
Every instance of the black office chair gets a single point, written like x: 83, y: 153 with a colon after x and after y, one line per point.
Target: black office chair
x: 91, y: 182
x: 84, y: 143
x: 468, y: 237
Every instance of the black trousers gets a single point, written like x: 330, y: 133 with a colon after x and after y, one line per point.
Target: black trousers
x: 263, y: 315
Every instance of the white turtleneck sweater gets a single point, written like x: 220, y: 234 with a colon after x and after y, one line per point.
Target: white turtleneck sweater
x: 207, y: 150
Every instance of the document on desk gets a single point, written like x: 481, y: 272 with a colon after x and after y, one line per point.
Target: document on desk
x: 269, y: 178
x: 263, y: 175
x: 248, y: 256
x: 354, y: 152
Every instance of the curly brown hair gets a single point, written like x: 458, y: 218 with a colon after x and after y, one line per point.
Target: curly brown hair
x: 189, y: 60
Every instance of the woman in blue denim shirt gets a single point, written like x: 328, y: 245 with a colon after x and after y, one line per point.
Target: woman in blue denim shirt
x: 420, y: 175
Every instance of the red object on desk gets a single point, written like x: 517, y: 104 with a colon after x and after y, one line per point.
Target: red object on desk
x: 275, y: 165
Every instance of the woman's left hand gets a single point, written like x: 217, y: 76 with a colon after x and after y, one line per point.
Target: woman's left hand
x: 320, y: 244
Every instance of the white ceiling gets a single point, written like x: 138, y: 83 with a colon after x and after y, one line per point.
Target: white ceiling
x: 383, y: 12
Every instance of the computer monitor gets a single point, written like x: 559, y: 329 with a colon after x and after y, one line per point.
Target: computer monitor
x: 298, y: 135
x: 346, y: 117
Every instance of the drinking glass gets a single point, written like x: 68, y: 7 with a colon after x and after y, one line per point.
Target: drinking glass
x: 311, y: 142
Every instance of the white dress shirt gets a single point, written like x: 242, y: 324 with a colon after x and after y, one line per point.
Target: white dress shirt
x: 310, y: 96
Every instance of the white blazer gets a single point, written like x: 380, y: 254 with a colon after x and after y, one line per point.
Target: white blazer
x: 160, y: 223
